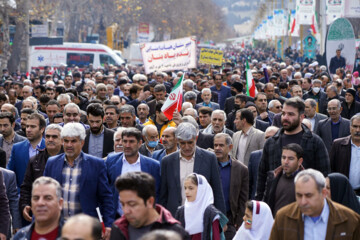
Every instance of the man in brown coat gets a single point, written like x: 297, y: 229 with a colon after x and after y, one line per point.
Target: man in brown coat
x: 235, y: 182
x: 313, y: 216
x: 344, y: 157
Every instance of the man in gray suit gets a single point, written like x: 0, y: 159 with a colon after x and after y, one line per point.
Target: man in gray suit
x: 206, y: 97
x: 4, y: 210
x: 335, y: 126
x: 12, y: 195
x: 9, y: 136
x: 188, y: 159
x: 247, y: 139
x: 312, y: 115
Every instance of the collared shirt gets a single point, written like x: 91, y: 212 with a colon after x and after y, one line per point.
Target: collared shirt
x: 32, y: 151
x: 7, y: 146
x: 312, y: 121
x: 96, y: 144
x: 225, y: 175
x: 354, y: 176
x: 242, y: 144
x: 130, y: 167
x: 315, y: 229
x: 71, y: 188
x: 140, y: 123
x: 186, y: 167
x: 207, y: 105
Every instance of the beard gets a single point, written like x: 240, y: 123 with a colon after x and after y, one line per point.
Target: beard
x: 291, y: 125
x: 96, y: 130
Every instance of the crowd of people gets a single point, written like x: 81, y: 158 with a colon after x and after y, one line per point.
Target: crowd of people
x: 89, y: 153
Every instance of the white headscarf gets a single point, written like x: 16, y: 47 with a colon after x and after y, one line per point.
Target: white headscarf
x: 194, y: 211
x: 262, y: 222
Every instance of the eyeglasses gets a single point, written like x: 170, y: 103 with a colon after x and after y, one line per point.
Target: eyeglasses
x: 278, y: 107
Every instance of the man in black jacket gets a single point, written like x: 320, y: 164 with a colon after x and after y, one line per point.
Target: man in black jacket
x: 292, y: 131
x: 99, y: 140
x: 280, y: 187
x: 36, y: 166
x: 337, y: 62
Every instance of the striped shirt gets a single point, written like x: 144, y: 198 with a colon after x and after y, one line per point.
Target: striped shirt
x: 71, y: 188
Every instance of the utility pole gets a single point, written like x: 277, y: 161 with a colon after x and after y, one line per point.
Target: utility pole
x: 323, y: 25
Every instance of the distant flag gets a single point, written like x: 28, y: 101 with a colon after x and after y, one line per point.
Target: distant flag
x: 174, y: 101
x: 250, y: 83
x: 69, y: 72
x: 293, y: 26
x: 243, y: 44
x: 314, y: 24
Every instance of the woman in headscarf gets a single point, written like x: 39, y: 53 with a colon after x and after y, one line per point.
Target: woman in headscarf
x: 198, y: 215
x: 258, y: 221
x: 340, y: 190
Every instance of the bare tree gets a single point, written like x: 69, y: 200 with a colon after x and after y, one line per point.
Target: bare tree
x: 20, y: 47
x: 5, y: 9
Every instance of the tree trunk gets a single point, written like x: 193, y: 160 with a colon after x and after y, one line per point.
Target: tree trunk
x: 20, y: 48
x: 5, y: 44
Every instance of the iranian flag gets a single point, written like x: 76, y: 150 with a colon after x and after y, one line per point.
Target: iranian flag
x: 250, y: 83
x: 174, y: 100
x: 314, y: 24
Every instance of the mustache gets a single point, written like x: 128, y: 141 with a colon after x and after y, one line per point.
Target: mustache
x: 357, y: 134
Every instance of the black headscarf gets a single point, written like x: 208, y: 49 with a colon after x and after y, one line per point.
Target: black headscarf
x: 342, y: 192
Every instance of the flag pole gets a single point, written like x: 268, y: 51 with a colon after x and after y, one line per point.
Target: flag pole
x: 177, y: 100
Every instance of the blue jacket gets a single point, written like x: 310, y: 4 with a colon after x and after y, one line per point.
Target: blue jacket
x: 19, y: 159
x: 159, y: 154
x: 25, y: 232
x: 114, y: 167
x: 13, y: 197
x: 254, y: 162
x: 94, y: 185
x: 223, y: 94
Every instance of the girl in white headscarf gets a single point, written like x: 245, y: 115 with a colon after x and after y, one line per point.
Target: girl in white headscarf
x: 258, y: 221
x: 198, y: 215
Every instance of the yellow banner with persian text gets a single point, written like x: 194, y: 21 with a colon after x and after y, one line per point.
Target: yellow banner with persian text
x: 211, y: 56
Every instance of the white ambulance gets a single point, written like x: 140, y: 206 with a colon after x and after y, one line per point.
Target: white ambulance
x: 72, y: 54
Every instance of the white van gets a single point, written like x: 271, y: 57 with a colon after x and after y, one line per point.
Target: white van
x: 72, y: 54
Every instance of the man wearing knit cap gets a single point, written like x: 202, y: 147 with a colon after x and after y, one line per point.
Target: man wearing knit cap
x: 350, y: 106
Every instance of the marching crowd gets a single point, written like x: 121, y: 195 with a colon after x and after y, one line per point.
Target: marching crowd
x: 89, y: 153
